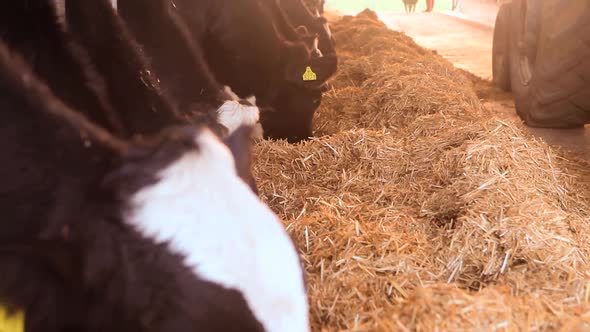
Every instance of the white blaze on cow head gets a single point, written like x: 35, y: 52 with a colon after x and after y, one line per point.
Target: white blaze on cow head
x: 240, y: 112
x: 200, y: 206
x: 233, y: 115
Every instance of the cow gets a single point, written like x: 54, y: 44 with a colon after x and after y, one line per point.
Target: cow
x: 297, y: 124
x: 242, y: 45
x: 410, y: 6
x: 245, y: 49
x: 303, y: 101
x: 102, y: 233
x: 138, y: 107
x: 97, y: 26
x: 131, y: 85
x: 176, y: 60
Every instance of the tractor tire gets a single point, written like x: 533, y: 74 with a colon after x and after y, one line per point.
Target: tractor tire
x: 501, y: 49
x: 556, y: 92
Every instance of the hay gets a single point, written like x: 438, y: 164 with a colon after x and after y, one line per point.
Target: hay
x: 486, y: 89
x: 415, y: 209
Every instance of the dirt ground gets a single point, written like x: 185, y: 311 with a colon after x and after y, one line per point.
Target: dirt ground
x: 469, y: 47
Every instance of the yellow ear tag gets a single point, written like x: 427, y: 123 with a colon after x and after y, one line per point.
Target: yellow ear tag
x: 309, y: 75
x: 14, y: 322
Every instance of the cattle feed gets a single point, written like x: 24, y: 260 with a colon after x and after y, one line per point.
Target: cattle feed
x: 30, y: 27
x: 256, y: 257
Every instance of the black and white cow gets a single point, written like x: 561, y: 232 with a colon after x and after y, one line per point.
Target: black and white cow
x: 32, y: 29
x: 246, y: 47
x: 177, y: 62
x: 254, y: 68
x: 159, y: 234
x: 184, y: 79
x: 133, y: 89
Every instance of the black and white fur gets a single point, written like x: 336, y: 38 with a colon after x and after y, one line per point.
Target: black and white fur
x: 156, y: 40
x: 153, y: 235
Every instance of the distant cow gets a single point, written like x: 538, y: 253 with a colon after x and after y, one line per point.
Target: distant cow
x: 105, y: 234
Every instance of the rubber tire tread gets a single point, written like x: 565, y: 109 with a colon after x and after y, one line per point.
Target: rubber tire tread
x: 559, y: 93
x: 501, y: 48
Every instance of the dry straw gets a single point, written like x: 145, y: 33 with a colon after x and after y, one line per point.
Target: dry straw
x: 415, y: 209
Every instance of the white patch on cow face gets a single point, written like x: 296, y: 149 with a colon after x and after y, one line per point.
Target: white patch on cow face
x: 114, y: 4
x: 228, y: 236
x: 232, y: 115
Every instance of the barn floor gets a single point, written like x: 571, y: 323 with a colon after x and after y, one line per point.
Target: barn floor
x: 419, y: 208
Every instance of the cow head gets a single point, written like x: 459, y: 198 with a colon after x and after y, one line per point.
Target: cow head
x: 291, y: 114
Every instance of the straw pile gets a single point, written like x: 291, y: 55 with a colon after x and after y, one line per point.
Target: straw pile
x: 415, y: 209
